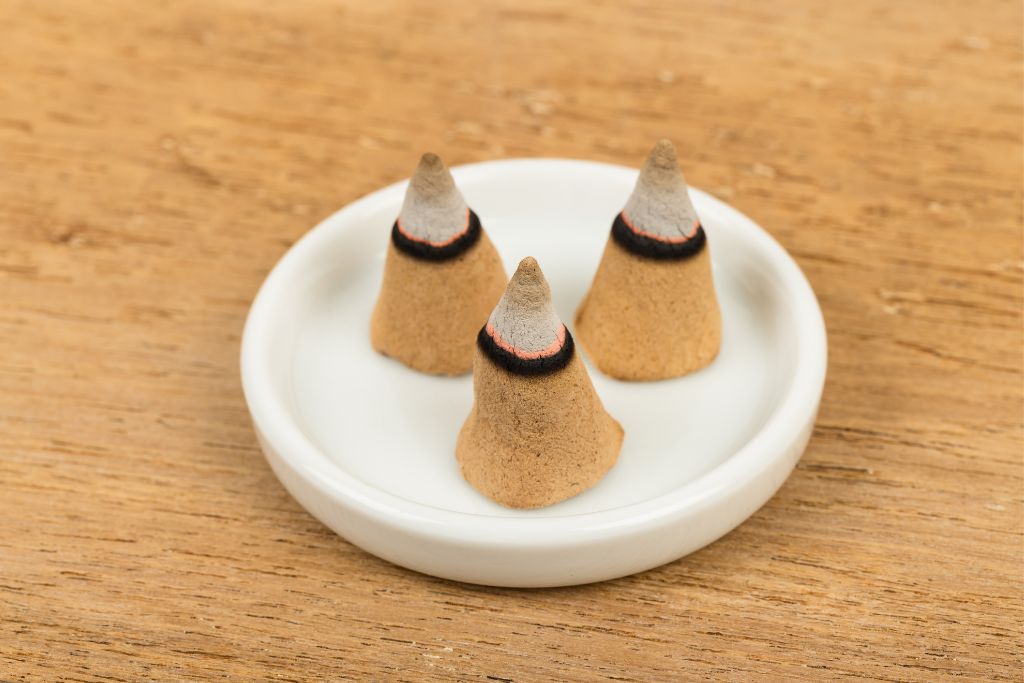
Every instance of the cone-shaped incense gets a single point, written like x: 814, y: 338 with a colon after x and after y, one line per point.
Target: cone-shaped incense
x: 537, y: 433
x: 442, y: 276
x: 651, y: 312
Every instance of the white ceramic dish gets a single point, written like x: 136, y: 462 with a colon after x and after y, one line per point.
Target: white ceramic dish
x: 367, y: 446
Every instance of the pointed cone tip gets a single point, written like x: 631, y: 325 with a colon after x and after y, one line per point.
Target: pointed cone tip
x: 430, y: 161
x: 528, y: 274
x: 663, y: 155
x: 528, y: 284
x: 430, y: 168
x: 528, y: 265
x: 431, y: 180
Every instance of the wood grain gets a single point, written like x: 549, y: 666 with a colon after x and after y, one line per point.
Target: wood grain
x: 157, y: 158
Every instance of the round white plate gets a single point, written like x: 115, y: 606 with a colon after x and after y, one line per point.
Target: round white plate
x: 368, y: 446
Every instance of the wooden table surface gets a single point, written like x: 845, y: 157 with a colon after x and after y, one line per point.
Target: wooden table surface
x: 156, y: 159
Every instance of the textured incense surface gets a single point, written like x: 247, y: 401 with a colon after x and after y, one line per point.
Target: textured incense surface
x: 537, y: 433
x: 434, y: 210
x: 428, y: 312
x: 651, y: 312
x: 524, y: 333
x: 646, y: 319
x: 535, y: 440
x: 525, y: 318
x: 442, y: 274
x: 156, y: 160
x: 660, y: 206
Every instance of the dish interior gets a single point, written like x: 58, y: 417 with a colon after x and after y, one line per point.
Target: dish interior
x: 395, y: 429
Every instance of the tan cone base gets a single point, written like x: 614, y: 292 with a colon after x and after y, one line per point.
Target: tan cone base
x: 645, y: 319
x: 532, y: 441
x: 429, y: 312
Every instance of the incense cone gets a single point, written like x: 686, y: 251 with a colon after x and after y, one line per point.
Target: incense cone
x: 651, y: 312
x: 442, y: 276
x: 537, y: 433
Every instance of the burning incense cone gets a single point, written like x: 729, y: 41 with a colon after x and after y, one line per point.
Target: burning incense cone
x: 651, y: 312
x: 537, y: 433
x: 442, y: 276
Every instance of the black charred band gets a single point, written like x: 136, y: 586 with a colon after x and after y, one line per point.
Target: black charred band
x: 524, y: 366
x: 429, y: 252
x: 630, y: 240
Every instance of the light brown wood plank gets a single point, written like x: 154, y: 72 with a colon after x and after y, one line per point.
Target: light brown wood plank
x: 157, y: 159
